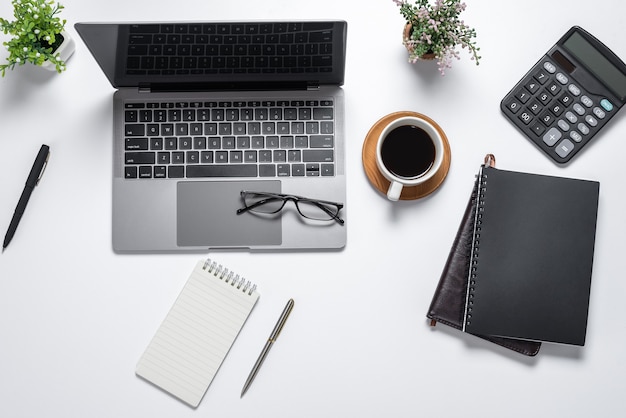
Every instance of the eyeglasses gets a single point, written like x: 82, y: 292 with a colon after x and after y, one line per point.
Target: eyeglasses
x: 269, y: 203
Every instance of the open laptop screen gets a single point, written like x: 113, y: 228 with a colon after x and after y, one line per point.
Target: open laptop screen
x: 218, y: 55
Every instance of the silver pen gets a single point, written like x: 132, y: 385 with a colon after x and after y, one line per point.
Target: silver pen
x: 270, y: 341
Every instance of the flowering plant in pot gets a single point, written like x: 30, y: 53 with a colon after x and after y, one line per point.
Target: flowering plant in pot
x: 39, y: 36
x: 434, y: 31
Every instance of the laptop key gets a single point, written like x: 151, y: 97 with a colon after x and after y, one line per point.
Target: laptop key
x: 139, y: 157
x: 328, y: 170
x: 132, y: 129
x: 145, y: 172
x: 131, y: 115
x: 283, y: 170
x: 312, y: 170
x: 222, y: 170
x: 176, y: 171
x: 298, y: 170
x: 309, y: 156
x: 138, y: 144
x: 323, y: 113
x: 130, y: 172
x: 144, y: 28
x: 160, y: 172
x: 267, y: 170
x: 321, y: 141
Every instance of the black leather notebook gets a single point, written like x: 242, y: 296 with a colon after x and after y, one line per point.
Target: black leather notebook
x: 448, y: 303
x: 531, y: 257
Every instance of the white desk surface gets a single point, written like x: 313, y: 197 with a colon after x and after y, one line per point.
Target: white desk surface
x: 75, y: 317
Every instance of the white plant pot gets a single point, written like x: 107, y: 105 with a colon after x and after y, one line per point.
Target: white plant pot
x: 66, y: 49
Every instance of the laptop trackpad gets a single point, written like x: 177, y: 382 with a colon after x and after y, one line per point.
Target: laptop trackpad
x: 207, y: 215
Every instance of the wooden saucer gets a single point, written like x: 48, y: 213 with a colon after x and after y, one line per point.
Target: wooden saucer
x: 380, y: 182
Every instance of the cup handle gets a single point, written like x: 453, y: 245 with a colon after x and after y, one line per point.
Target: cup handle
x: 394, y: 191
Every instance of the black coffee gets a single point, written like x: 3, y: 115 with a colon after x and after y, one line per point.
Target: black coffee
x: 408, y: 151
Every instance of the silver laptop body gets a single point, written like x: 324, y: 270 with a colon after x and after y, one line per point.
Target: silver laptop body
x: 185, y: 145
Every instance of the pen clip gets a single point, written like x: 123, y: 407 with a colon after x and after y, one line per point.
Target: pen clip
x: 43, y: 169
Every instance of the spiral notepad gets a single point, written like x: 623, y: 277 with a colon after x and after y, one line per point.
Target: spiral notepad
x: 197, y: 333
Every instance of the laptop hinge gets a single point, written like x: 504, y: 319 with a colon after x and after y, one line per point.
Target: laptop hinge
x: 191, y: 87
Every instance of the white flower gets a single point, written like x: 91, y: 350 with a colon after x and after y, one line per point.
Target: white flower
x: 37, y: 54
x: 48, y: 38
x: 37, y: 31
x: 25, y: 49
x: 35, y: 16
x: 17, y: 59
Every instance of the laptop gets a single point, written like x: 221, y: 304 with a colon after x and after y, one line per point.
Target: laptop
x: 204, y: 111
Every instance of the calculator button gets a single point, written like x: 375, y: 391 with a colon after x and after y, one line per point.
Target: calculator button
x: 522, y: 95
x: 561, y: 78
x: 583, y: 129
x: 551, y: 68
x: 513, y: 105
x: 599, y: 113
x: 563, y: 125
x: 532, y: 86
x: 575, y: 136
x: 535, y: 107
x: 554, y: 89
x: 566, y: 99
x: 547, y: 118
x: 525, y: 117
x: 538, y: 128
x: 544, y: 97
x: 579, y: 109
x: 574, y: 89
x: 541, y: 77
x: 571, y: 117
x: 591, y: 121
x: 557, y: 109
x: 564, y: 148
x: 586, y: 101
x: 608, y: 106
x: 552, y: 136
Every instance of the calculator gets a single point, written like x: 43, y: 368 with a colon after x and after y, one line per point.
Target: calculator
x: 568, y: 96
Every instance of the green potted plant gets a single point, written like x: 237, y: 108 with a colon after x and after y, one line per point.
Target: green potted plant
x: 39, y: 36
x: 434, y: 31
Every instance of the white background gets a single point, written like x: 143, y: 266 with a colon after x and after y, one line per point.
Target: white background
x: 75, y: 317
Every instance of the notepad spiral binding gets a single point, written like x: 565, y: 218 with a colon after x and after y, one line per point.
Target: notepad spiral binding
x: 471, y: 282
x: 227, y: 276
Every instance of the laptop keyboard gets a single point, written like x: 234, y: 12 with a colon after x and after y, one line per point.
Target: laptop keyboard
x: 278, y: 138
x: 229, y: 48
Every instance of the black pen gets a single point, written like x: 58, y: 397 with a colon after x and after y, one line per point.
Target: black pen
x: 33, y: 179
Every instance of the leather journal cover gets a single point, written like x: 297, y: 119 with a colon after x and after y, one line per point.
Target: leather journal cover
x: 448, y: 303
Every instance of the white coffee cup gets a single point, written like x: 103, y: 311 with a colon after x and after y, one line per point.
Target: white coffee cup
x: 409, y: 153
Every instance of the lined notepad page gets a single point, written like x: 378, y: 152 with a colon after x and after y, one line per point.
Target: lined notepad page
x: 197, y: 333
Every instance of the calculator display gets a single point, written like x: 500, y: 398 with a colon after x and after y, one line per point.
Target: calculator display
x: 595, y: 62
x: 568, y: 96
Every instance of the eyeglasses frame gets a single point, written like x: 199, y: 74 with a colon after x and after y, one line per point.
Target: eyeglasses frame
x: 295, y: 199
